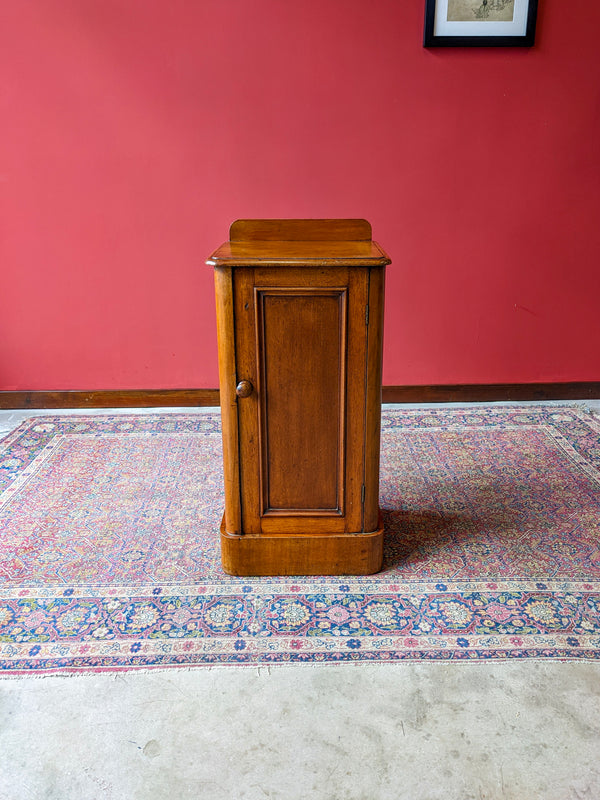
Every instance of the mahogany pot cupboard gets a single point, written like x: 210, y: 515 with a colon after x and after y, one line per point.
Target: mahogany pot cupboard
x: 300, y: 325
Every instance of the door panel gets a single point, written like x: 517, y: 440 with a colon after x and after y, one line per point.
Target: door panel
x: 301, y: 341
x: 302, y: 350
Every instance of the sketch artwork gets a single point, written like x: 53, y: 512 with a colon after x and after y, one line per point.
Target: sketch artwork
x: 481, y: 10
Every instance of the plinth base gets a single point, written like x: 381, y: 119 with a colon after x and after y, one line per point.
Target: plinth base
x: 309, y: 554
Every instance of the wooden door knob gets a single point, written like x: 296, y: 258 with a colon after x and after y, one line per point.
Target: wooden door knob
x: 244, y: 389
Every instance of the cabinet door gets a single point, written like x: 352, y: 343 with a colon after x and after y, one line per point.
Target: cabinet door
x: 301, y: 340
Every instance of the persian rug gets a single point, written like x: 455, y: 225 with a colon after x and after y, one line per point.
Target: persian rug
x: 109, y: 555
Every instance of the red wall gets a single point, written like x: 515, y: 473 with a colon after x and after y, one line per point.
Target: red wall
x: 133, y: 132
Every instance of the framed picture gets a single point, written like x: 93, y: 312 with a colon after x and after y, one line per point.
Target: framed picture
x: 487, y: 23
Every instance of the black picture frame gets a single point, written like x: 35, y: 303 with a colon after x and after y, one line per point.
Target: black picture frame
x: 486, y: 34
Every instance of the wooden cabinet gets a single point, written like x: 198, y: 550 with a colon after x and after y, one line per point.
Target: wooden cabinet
x: 300, y: 322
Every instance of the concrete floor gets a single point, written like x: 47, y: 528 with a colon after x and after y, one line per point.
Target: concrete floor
x: 511, y: 730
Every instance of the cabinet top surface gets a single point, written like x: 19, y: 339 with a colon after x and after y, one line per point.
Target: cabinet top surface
x: 299, y: 242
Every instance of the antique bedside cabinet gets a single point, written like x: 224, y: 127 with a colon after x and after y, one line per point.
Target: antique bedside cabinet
x: 300, y: 326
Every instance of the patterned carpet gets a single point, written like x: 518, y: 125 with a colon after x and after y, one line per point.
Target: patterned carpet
x: 109, y: 553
